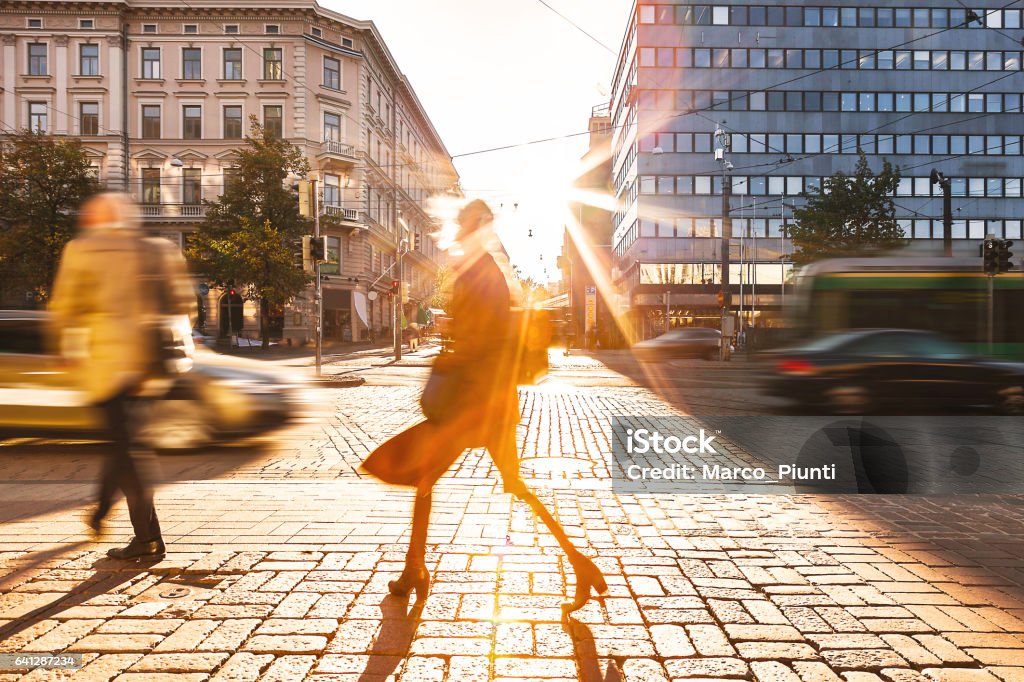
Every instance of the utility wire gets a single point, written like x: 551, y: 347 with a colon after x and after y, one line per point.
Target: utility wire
x: 577, y: 26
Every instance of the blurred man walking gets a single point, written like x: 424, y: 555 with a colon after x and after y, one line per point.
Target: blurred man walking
x: 121, y: 305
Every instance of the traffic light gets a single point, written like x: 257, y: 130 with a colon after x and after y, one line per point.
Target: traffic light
x: 1004, y: 264
x: 990, y: 256
x: 724, y: 299
x: 395, y: 287
x: 304, y: 199
x: 317, y: 249
x: 307, y: 253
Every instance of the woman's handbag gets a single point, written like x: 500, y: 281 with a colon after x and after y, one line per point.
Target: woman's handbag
x: 445, y: 394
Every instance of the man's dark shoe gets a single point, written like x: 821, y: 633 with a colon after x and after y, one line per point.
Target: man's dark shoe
x: 139, y: 550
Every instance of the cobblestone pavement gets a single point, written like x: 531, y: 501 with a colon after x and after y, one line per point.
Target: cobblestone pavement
x: 280, y: 556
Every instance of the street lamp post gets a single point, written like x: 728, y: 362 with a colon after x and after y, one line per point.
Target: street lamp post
x: 721, y: 144
x: 938, y: 178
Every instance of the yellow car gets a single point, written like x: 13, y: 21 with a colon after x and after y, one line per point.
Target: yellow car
x: 206, y: 405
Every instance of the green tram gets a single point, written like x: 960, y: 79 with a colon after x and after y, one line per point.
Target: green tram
x: 945, y: 295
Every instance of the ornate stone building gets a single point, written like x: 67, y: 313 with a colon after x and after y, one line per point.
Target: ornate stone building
x: 161, y: 96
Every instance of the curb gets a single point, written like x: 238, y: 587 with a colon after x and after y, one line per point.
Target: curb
x: 338, y: 382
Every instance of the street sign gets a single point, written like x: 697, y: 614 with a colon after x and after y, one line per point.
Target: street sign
x: 372, y: 296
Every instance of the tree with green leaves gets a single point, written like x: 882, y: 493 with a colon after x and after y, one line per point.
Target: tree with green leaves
x: 248, y: 240
x: 850, y: 215
x: 43, y: 181
x: 444, y: 280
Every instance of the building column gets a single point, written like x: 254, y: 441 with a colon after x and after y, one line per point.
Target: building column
x: 114, y: 123
x: 61, y: 115
x: 10, y: 116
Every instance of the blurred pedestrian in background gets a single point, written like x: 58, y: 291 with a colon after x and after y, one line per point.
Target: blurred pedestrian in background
x: 470, y: 401
x: 121, y: 306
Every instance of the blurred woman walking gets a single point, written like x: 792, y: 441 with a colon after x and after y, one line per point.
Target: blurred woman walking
x: 470, y: 401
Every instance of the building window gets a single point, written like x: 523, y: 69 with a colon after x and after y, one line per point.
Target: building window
x: 151, y: 185
x: 332, y: 73
x: 89, y: 59
x: 37, y: 116
x: 191, y: 186
x: 34, y: 23
x: 191, y: 63
x: 272, y: 28
x: 273, y: 120
x: 332, y: 127
x: 233, y: 63
x: 231, y: 28
x: 89, y: 118
x: 85, y: 23
x: 332, y: 190
x: 190, y: 28
x: 149, y: 28
x: 37, y: 59
x: 316, y: 32
x: 233, y: 122
x: 273, y: 64
x: 192, y: 122
x: 230, y: 175
x: 346, y: 42
x: 151, y: 121
x: 151, y: 62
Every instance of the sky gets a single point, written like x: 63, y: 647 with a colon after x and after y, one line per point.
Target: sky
x: 492, y: 73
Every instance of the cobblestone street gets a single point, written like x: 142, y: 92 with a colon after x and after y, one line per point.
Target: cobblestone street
x: 280, y: 553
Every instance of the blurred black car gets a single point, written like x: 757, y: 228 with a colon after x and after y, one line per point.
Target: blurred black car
x: 858, y: 372
x: 207, y: 404
x: 684, y: 342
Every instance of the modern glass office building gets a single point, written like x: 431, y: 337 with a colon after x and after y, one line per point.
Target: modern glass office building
x: 798, y: 87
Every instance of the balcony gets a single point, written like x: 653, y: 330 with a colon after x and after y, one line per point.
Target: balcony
x: 173, y: 211
x: 346, y: 215
x: 338, y: 149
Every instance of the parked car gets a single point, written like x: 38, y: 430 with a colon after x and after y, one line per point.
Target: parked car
x: 857, y: 372
x: 684, y: 342
x: 208, y: 404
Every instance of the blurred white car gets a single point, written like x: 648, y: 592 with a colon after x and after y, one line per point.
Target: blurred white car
x: 207, y: 404
x: 682, y: 342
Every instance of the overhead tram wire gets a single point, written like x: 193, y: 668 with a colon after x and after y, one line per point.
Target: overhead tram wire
x: 577, y: 26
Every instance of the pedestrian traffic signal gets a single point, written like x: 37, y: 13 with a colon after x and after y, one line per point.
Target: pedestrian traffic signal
x: 990, y: 256
x: 395, y: 287
x: 1004, y: 264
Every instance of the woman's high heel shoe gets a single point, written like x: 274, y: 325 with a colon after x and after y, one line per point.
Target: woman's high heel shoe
x: 413, y: 578
x: 588, y: 576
